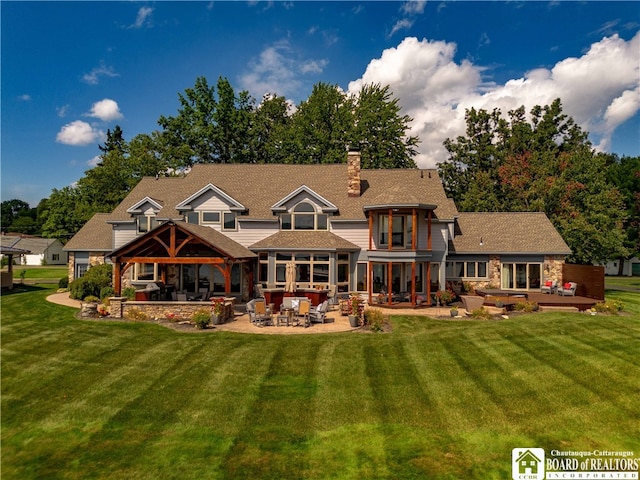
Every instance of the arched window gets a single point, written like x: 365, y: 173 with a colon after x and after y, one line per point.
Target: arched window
x: 304, y: 217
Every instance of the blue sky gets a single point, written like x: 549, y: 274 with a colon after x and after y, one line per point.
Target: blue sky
x: 72, y: 70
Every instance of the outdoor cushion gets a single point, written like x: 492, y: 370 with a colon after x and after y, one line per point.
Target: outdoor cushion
x: 567, y: 285
x: 547, y: 283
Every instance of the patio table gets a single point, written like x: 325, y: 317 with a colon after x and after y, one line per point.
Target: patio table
x: 286, y: 315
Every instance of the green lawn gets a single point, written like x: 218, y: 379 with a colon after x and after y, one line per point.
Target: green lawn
x: 45, y: 273
x: 433, y: 399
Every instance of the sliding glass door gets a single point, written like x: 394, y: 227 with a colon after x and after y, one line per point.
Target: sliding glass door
x: 520, y: 276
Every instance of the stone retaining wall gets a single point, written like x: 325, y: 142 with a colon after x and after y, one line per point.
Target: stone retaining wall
x: 120, y: 307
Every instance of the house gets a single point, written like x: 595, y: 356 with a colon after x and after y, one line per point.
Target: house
x: 43, y: 251
x: 528, y: 463
x: 630, y: 267
x: 387, y: 234
x: 6, y: 277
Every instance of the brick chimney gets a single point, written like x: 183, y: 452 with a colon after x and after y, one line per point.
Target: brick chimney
x: 353, y: 172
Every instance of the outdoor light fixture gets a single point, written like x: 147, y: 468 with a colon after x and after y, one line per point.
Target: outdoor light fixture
x: 481, y: 242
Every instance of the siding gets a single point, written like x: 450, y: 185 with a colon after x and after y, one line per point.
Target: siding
x: 123, y: 234
x: 356, y: 233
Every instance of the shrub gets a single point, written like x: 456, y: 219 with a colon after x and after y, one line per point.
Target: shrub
x: 201, y: 318
x: 106, y: 292
x: 91, y: 299
x: 445, y: 296
x: 63, y: 282
x: 137, y: 314
x: 374, y: 318
x: 610, y: 306
x: 481, y: 313
x: 526, y: 307
x: 129, y: 293
x: 96, y: 277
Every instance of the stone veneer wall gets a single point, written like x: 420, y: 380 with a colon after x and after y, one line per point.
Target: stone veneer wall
x: 119, y: 307
x: 551, y: 270
x: 95, y: 258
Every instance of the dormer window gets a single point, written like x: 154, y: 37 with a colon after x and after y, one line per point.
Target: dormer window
x: 146, y: 223
x: 304, y: 217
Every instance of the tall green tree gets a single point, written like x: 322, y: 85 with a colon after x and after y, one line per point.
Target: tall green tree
x: 10, y: 210
x: 545, y: 164
x: 64, y: 213
x: 381, y: 131
x: 322, y: 126
x: 624, y: 173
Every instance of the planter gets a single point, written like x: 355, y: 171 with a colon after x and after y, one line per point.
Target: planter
x: 353, y: 321
x: 454, y: 313
x: 216, y: 319
x: 89, y: 309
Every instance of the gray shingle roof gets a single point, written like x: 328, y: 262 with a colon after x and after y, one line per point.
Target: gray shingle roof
x: 218, y: 240
x: 95, y: 235
x: 508, y: 233
x: 258, y: 187
x: 35, y: 245
x: 305, y: 240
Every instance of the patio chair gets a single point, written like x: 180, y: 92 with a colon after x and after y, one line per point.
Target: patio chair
x: 319, y: 314
x: 262, y: 317
x: 258, y: 291
x: 303, y: 314
x: 568, y: 289
x: 331, y: 296
x: 549, y: 287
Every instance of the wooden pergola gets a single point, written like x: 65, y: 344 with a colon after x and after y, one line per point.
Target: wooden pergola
x: 179, y: 243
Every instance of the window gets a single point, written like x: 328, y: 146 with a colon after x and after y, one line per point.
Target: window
x: 263, y: 267
x: 343, y: 272
x: 521, y: 276
x: 193, y: 217
x: 304, y: 217
x: 401, y: 230
x: 55, y: 257
x: 145, y: 272
x: 146, y: 223
x: 229, y: 221
x: 312, y: 269
x: 81, y: 269
x: 466, y: 269
x: 361, y: 277
x: 210, y: 217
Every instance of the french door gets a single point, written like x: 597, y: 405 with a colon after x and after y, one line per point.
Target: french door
x: 521, y: 276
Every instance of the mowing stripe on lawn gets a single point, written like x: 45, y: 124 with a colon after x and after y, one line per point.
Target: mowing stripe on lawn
x: 224, y: 386
x: 272, y: 441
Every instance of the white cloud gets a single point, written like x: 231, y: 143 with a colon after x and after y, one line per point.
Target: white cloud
x: 25, y: 97
x: 78, y: 133
x: 403, y: 24
x: 278, y: 69
x: 413, y: 7
x: 106, y: 110
x: 62, y: 111
x: 143, y: 18
x: 94, y: 161
x: 435, y: 90
x: 93, y: 77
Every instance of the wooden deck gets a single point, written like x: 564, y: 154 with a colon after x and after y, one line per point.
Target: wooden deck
x: 511, y: 297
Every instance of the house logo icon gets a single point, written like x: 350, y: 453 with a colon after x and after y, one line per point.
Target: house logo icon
x: 527, y: 463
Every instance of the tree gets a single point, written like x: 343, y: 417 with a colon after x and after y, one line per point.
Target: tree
x: 546, y: 165
x: 322, y: 126
x: 269, y: 130
x: 624, y: 173
x: 64, y: 213
x: 10, y: 210
x: 380, y: 130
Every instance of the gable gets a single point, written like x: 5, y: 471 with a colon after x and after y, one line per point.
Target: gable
x: 300, y: 194
x: 210, y: 197
x: 145, y: 206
